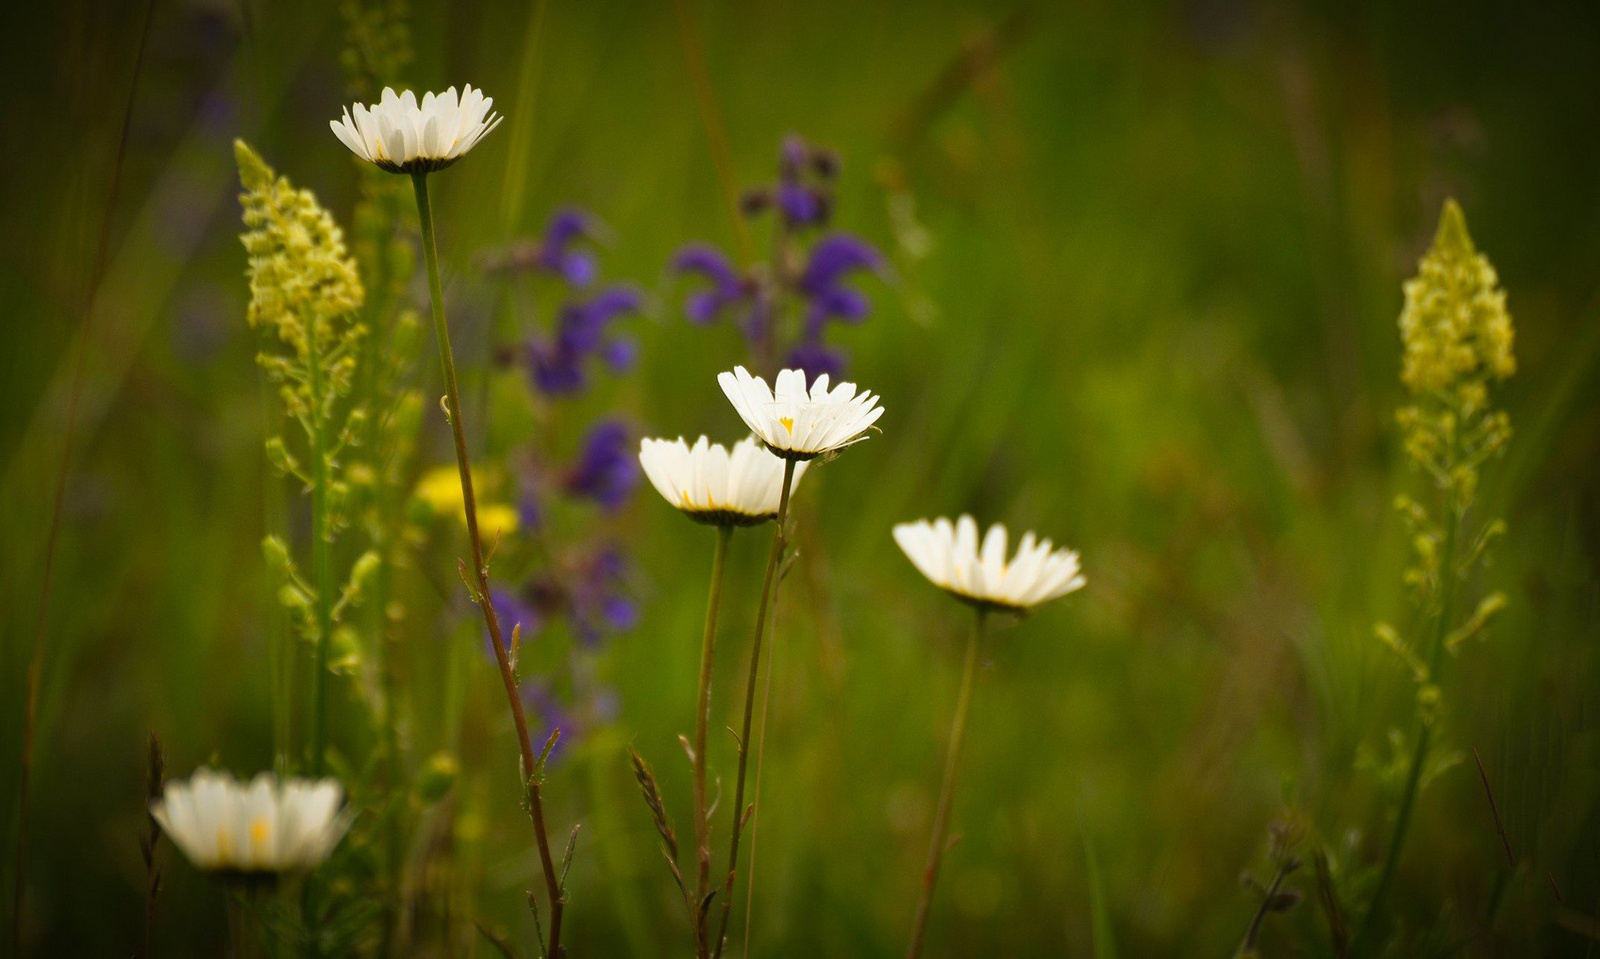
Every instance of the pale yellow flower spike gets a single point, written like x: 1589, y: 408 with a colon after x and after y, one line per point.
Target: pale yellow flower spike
x: 1455, y: 324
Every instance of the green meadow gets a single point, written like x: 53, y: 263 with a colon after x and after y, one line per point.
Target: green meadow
x: 1281, y: 316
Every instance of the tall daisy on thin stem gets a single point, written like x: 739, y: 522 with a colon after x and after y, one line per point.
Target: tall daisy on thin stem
x: 950, y: 555
x: 797, y: 424
x: 401, y: 135
x: 726, y: 489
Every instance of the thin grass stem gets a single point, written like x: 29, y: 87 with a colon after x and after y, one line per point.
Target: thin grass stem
x: 80, y: 359
x: 705, y: 97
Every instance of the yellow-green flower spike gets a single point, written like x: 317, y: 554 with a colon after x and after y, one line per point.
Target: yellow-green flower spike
x: 1455, y: 325
x: 302, y: 279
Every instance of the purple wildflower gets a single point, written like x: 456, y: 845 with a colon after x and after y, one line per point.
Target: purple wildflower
x: 726, y: 287
x: 556, y: 363
x: 833, y: 258
x: 801, y: 192
x: 606, y: 470
x: 599, y: 602
x: 819, y: 291
x: 816, y: 358
x: 557, y: 252
x: 802, y: 205
x: 591, y: 705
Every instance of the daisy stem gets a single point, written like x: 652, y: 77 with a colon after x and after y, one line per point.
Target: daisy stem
x: 774, y: 555
x: 941, y: 818
x: 702, y: 718
x: 761, y: 754
x: 238, y: 941
x: 530, y: 771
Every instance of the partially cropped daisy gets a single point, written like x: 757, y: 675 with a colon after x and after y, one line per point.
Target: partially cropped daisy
x: 950, y: 555
x: 714, y: 485
x: 796, y: 423
x: 404, y: 136
x: 259, y: 829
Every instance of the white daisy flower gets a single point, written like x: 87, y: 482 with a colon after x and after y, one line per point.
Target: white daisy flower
x: 264, y: 827
x: 714, y: 486
x: 403, y: 136
x: 798, y: 424
x: 950, y: 556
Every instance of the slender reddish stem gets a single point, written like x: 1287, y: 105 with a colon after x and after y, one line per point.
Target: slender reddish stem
x: 480, y: 574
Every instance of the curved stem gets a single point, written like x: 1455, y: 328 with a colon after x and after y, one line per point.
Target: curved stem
x: 530, y: 771
x: 773, y: 556
x: 941, y: 819
x: 702, y: 719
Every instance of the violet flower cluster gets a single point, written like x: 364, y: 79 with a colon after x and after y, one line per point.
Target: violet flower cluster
x: 583, y: 584
x: 785, y: 307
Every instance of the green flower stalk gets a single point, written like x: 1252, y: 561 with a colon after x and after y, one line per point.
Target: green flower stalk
x: 1457, y: 336
x: 306, y: 292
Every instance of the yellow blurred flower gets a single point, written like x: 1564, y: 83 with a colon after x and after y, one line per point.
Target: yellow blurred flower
x: 440, y: 489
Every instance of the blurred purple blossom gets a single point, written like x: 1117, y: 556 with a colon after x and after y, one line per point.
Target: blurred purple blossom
x: 599, y: 603
x: 557, y: 252
x: 816, y: 358
x: 758, y: 301
x: 726, y: 289
x: 556, y: 362
x: 550, y: 714
x: 833, y: 258
x: 606, y: 470
x: 802, y: 205
x: 591, y: 705
x: 803, y: 193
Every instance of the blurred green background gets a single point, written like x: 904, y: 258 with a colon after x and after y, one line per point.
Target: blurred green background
x: 1156, y: 322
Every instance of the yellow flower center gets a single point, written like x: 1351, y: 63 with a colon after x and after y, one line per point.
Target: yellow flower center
x: 788, y: 424
x: 259, y: 829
